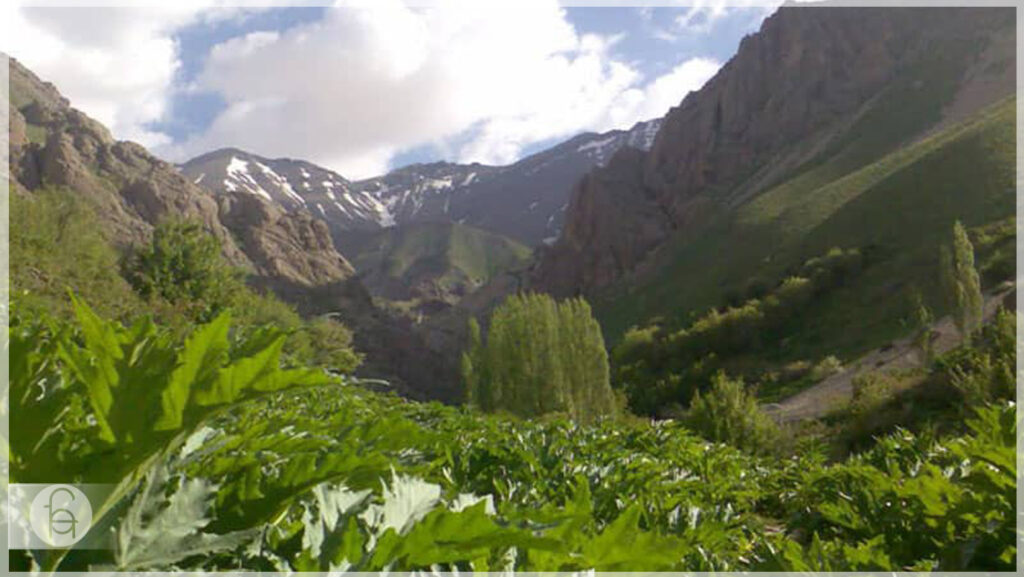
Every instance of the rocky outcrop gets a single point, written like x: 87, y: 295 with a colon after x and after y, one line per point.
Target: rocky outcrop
x: 133, y: 191
x: 793, y: 93
x: 56, y: 145
x: 292, y: 246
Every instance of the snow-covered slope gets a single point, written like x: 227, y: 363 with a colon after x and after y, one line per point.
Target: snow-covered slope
x: 294, y: 184
x: 525, y: 201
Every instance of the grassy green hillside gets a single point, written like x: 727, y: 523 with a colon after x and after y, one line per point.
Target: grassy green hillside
x: 435, y: 261
x: 897, y: 209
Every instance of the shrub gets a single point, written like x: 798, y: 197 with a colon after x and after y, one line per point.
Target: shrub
x: 728, y: 413
x: 825, y: 368
x: 183, y: 265
x: 986, y: 370
x: 870, y: 391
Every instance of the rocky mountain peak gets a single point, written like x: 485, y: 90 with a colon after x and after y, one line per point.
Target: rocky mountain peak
x: 133, y: 190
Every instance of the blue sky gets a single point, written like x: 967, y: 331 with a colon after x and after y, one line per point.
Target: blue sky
x: 364, y: 91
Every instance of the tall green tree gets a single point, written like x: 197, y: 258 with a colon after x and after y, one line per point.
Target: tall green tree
x: 470, y: 359
x: 922, y: 319
x: 962, y: 283
x: 540, y: 357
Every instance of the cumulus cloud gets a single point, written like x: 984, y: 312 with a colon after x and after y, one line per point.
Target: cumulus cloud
x: 366, y: 82
x: 117, y: 64
x: 483, y: 80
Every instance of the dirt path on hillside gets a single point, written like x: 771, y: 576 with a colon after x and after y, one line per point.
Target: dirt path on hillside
x: 825, y: 396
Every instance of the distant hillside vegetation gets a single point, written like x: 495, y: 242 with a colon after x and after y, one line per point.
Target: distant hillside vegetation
x: 897, y: 210
x: 430, y: 265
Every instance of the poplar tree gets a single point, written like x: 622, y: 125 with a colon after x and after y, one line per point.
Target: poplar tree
x: 540, y: 357
x: 961, y: 281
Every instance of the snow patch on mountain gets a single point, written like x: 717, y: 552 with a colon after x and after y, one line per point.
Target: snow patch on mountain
x: 597, y: 144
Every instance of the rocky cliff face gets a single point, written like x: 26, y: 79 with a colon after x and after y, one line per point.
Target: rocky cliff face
x: 288, y: 252
x: 134, y: 191
x: 56, y: 145
x: 796, y: 92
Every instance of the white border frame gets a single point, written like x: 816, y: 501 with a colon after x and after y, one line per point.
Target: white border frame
x: 4, y: 241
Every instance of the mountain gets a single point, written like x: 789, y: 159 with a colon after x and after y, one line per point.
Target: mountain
x: 287, y: 251
x: 524, y: 201
x: 857, y: 128
x: 430, y: 266
x: 291, y: 184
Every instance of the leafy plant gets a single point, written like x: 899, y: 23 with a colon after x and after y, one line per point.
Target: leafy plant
x: 104, y: 403
x: 255, y: 467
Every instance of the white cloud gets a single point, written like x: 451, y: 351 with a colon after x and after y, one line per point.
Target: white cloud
x: 702, y: 15
x: 117, y: 64
x: 354, y: 89
x: 668, y: 90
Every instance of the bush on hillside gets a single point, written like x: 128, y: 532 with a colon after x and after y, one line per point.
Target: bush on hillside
x: 321, y: 341
x: 728, y: 413
x: 986, y: 370
x: 658, y: 367
x: 183, y: 266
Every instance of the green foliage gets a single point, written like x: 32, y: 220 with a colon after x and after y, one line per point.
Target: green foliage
x: 935, y: 399
x: 57, y: 246
x: 321, y: 341
x: 825, y: 368
x: 910, y: 195
x: 56, y: 243
x: 986, y: 371
x: 922, y: 325
x: 183, y: 266
x: 132, y: 390
x: 728, y: 413
x: 540, y: 357
x: 471, y: 375
x: 658, y: 367
x: 160, y: 530
x: 869, y: 392
x: 910, y: 503
x: 317, y: 476
x: 963, y: 285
